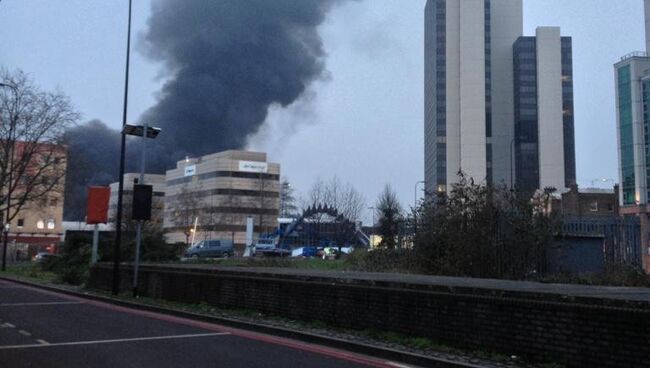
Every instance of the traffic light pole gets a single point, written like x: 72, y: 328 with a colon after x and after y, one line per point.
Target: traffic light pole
x: 138, y: 231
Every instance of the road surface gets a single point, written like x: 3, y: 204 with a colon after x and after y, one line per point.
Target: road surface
x: 44, y: 329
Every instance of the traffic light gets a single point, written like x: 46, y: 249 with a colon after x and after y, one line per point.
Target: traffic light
x: 142, y: 195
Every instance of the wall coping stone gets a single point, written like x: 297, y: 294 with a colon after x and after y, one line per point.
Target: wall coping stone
x: 609, y: 296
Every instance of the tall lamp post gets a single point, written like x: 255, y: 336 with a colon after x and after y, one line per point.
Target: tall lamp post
x: 415, y: 208
x: 415, y: 193
x: 512, y: 167
x: 601, y: 180
x: 12, y: 128
x: 120, y: 190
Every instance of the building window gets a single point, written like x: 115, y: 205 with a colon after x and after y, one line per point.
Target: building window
x: 50, y: 224
x: 20, y: 223
x: 593, y: 207
x: 40, y: 224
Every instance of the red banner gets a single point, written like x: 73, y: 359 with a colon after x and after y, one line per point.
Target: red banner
x: 97, y: 210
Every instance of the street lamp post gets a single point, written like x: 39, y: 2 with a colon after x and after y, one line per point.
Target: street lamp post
x: 12, y: 129
x: 415, y: 194
x: 601, y: 180
x: 120, y: 190
x: 415, y: 209
x: 372, y: 235
x: 512, y: 167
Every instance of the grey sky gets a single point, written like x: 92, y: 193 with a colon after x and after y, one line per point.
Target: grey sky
x: 365, y: 122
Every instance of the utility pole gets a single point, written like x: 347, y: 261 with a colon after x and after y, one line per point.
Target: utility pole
x: 138, y: 230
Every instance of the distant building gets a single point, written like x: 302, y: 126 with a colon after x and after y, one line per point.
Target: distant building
x: 157, y: 203
x: 37, y: 227
x: 587, y: 203
x: 498, y: 106
x: 632, y: 76
x: 217, y: 193
x: 544, y: 141
x: 632, y: 81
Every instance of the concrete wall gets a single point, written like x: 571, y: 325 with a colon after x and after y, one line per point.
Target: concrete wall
x: 575, y: 331
x: 472, y: 89
x: 506, y: 26
x: 453, y: 91
x: 549, y: 99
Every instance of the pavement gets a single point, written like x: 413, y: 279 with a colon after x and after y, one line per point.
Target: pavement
x: 41, y: 328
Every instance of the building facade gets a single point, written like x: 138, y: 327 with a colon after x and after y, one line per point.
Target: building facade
x: 544, y: 142
x: 36, y: 215
x: 469, y: 114
x: 587, y: 203
x: 632, y: 81
x: 211, y: 197
x: 632, y: 98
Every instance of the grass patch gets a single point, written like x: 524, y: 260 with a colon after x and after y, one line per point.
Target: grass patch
x: 303, y: 264
x: 30, y: 272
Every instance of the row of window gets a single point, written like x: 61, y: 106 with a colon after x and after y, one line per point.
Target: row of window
x: 225, y: 174
x: 40, y: 224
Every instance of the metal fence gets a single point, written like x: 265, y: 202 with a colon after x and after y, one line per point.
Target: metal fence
x: 621, y: 236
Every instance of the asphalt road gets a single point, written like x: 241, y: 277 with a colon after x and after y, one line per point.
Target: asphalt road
x: 44, y: 329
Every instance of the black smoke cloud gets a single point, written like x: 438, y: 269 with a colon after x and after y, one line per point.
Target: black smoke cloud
x: 93, y: 152
x: 225, y: 63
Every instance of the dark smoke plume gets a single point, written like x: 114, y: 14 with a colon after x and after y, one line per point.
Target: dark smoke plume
x: 226, y: 62
x: 93, y: 153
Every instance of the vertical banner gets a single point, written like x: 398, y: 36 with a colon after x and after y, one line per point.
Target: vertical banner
x: 97, y: 206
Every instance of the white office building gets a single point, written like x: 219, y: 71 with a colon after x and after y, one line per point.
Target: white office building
x: 469, y: 113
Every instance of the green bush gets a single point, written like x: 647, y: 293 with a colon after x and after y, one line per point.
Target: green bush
x: 73, y: 264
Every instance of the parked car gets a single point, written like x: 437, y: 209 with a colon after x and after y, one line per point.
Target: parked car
x: 304, y: 252
x: 211, y: 248
x: 41, y: 257
x: 265, y: 244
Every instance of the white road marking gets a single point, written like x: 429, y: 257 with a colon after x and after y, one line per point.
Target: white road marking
x: 42, y: 342
x: 36, y: 304
x: 398, y: 365
x: 74, y: 343
x: 24, y: 333
x: 7, y: 324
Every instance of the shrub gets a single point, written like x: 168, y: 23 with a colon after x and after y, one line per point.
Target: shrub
x: 72, y: 267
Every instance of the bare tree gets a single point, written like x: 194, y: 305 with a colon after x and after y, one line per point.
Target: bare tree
x: 343, y: 197
x: 288, y: 206
x: 185, y: 208
x: 32, y: 157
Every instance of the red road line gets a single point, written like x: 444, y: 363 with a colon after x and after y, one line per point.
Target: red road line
x: 292, y: 344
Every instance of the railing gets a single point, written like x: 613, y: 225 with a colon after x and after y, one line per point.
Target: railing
x: 634, y: 54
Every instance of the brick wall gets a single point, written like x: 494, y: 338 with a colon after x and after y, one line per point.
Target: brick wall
x: 577, y: 332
